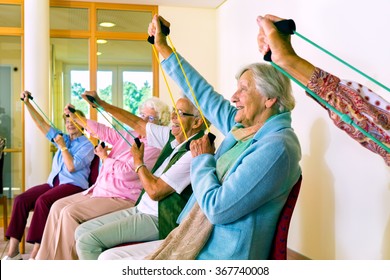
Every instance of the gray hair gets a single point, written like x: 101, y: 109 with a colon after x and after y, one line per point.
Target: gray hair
x: 195, y: 111
x: 160, y: 107
x: 271, y: 84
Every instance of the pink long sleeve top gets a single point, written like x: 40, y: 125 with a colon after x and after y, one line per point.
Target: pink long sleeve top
x: 117, y: 177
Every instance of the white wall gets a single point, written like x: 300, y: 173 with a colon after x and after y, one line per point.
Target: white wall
x: 193, y: 34
x: 344, y: 206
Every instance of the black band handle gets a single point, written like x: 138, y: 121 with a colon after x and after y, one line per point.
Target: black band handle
x: 52, y: 139
x: 164, y: 29
x: 72, y: 110
x: 91, y: 99
x: 29, y: 97
x: 286, y: 26
x: 188, y: 145
x: 209, y: 135
x: 137, y: 141
x: 101, y: 144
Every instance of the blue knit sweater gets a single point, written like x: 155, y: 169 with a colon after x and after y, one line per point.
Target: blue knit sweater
x: 245, y: 207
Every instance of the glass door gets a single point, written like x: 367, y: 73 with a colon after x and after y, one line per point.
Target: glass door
x: 109, y: 55
x: 11, y: 109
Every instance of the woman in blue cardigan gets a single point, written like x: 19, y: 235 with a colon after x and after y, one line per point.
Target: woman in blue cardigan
x: 242, y: 188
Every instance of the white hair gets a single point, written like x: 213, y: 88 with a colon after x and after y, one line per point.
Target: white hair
x: 271, y: 84
x: 160, y: 107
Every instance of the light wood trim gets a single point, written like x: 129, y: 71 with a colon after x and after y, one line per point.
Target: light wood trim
x: 13, y: 150
x: 155, y: 67
x: 70, y: 4
x: 11, y: 31
x: 93, y: 60
x: 23, y: 110
x: 20, y: 2
x: 70, y: 33
x: 107, y: 6
x: 125, y: 7
x: 122, y: 35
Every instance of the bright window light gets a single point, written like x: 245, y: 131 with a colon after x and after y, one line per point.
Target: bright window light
x: 107, y: 24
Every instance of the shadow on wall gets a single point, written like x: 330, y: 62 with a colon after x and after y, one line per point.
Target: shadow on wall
x: 317, y: 204
x: 386, y: 237
x: 386, y: 242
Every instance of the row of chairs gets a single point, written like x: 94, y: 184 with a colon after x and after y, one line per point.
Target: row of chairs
x: 279, y: 244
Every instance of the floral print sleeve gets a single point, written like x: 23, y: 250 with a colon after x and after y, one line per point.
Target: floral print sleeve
x: 362, y: 105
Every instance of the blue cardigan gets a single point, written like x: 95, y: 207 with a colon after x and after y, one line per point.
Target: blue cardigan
x: 245, y: 207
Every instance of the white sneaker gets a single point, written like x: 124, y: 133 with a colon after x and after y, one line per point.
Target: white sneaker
x: 16, y: 258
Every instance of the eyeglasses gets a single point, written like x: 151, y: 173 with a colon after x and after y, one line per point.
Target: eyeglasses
x: 150, y: 118
x: 182, y: 114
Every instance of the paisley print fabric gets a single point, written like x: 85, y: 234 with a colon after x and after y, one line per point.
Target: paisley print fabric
x: 367, y: 109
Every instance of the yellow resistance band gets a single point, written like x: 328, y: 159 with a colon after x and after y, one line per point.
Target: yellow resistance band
x: 189, y: 84
x: 170, y: 92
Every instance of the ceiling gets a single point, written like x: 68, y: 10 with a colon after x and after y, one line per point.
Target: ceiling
x: 76, y: 51
x: 114, y: 52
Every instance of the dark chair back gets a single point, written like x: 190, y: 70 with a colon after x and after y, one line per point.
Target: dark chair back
x: 94, y: 170
x: 279, y: 244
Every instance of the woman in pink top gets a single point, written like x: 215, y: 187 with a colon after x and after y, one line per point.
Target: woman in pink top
x: 117, y: 186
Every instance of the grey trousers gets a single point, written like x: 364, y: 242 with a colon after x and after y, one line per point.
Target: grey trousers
x: 104, y: 232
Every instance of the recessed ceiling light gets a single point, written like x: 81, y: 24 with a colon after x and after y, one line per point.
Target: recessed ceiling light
x: 107, y: 24
x: 101, y: 41
x: 98, y: 53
